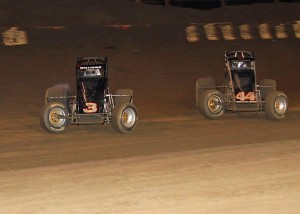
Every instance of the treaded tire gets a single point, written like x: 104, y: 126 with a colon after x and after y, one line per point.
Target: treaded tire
x: 58, y: 91
x: 48, y: 117
x: 125, y: 99
x: 276, y: 105
x: 204, y: 84
x: 211, y: 104
x: 124, y: 117
x: 266, y: 87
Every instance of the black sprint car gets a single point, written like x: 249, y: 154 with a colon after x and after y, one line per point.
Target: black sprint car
x: 93, y: 102
x: 240, y: 91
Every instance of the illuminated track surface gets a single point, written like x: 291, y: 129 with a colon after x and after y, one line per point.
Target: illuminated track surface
x: 25, y: 145
x: 175, y: 161
x: 183, y: 164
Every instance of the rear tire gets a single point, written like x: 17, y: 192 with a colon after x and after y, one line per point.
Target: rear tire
x: 123, y: 99
x: 211, y: 104
x: 49, y: 117
x: 266, y: 87
x: 124, y: 118
x: 58, y: 93
x: 276, y: 105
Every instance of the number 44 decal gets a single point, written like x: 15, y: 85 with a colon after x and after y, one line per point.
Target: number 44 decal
x: 250, y: 96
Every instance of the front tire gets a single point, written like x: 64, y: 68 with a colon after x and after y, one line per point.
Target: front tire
x: 51, y: 117
x: 124, y: 118
x: 276, y: 105
x: 203, y: 84
x: 211, y: 104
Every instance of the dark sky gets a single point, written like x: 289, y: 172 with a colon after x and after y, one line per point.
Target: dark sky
x: 208, y: 4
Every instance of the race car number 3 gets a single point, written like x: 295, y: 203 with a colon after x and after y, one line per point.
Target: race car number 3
x: 90, y: 108
x: 250, y: 96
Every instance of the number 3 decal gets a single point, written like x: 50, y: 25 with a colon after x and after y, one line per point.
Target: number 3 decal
x: 249, y: 96
x: 90, y: 108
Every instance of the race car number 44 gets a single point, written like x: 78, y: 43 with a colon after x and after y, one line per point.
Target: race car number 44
x: 250, y: 96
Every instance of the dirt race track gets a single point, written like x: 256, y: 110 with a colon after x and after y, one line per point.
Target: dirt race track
x: 175, y: 161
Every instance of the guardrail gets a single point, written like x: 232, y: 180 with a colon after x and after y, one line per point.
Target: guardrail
x: 13, y: 36
x: 231, y: 31
x: 194, y: 32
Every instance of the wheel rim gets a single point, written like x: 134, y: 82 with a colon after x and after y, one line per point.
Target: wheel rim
x: 128, y: 117
x: 54, y: 117
x: 280, y: 105
x: 214, y: 104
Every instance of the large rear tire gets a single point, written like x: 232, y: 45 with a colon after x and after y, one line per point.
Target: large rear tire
x: 203, y: 84
x: 211, y: 104
x: 276, y: 105
x: 266, y: 87
x: 124, y: 118
x: 51, y: 117
x: 58, y: 93
x: 123, y: 99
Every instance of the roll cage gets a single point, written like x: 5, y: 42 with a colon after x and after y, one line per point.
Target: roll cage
x: 240, y: 83
x: 92, y: 84
x: 93, y: 94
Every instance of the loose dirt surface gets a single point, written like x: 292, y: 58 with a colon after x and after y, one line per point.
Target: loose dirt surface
x: 168, y: 165
x: 175, y: 161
